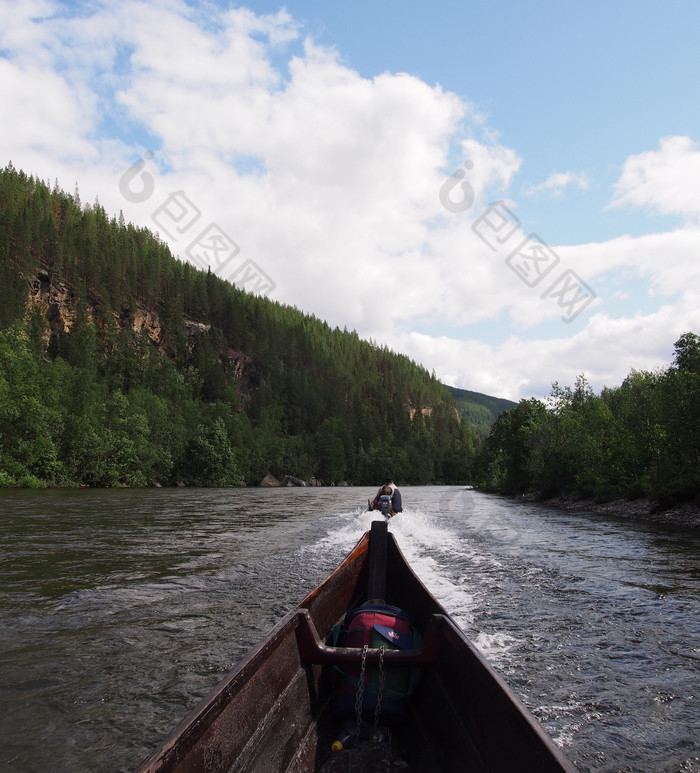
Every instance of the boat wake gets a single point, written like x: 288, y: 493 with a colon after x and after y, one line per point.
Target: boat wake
x: 429, y: 547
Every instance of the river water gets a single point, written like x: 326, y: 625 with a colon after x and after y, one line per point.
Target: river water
x: 121, y: 609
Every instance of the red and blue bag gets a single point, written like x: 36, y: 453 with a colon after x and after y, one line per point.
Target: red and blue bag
x: 375, y: 625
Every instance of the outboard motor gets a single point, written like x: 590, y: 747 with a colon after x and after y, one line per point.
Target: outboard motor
x: 384, y: 505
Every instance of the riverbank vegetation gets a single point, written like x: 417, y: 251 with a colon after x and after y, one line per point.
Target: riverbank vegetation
x: 122, y: 365
x: 637, y: 440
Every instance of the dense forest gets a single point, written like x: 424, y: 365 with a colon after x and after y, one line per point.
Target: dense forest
x: 122, y: 365
x: 641, y: 439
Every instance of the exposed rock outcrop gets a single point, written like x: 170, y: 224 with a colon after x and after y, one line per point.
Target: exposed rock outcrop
x: 58, y: 306
x: 144, y: 321
x: 196, y: 328
x: 55, y: 302
x: 686, y: 515
x: 425, y: 411
x: 290, y: 480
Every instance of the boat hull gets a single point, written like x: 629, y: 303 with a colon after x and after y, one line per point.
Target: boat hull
x: 272, y: 712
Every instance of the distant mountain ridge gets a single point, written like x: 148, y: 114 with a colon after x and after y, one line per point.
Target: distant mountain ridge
x: 478, y: 409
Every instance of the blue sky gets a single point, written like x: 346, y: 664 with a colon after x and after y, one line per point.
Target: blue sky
x: 317, y: 140
x: 570, y: 86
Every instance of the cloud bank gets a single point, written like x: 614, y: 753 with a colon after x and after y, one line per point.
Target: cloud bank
x: 335, y: 187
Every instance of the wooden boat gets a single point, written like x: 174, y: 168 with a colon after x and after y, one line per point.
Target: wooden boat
x: 273, y: 712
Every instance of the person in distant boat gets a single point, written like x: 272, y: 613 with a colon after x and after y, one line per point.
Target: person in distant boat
x: 389, y: 489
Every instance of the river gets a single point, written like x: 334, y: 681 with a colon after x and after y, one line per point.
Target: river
x: 120, y: 609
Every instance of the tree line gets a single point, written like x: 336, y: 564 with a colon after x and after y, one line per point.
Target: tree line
x: 640, y: 439
x: 233, y: 386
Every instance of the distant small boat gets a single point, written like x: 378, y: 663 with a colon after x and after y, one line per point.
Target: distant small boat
x: 286, y: 705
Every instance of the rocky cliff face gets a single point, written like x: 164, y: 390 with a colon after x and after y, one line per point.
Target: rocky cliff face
x: 54, y: 302
x: 145, y: 321
x: 427, y: 411
x: 57, y: 305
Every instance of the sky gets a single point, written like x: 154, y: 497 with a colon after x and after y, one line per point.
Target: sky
x: 506, y: 192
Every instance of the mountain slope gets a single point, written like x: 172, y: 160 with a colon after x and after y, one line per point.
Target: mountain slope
x: 479, y: 410
x: 151, y: 371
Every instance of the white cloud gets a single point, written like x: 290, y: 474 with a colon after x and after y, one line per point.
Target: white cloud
x: 608, y: 346
x: 20, y: 34
x: 331, y: 183
x: 663, y: 180
x: 667, y: 261
x: 341, y: 211
x: 494, y: 165
x: 45, y: 113
x: 557, y: 183
x: 605, y: 351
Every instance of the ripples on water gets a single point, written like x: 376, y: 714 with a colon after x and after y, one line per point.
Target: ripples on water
x: 122, y: 609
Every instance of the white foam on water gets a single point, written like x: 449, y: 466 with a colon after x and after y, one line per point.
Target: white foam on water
x: 430, y: 548
x: 443, y: 561
x: 564, y: 719
x: 344, y: 532
x: 496, y: 647
x: 425, y: 544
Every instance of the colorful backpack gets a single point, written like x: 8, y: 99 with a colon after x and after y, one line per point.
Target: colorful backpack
x: 376, y: 625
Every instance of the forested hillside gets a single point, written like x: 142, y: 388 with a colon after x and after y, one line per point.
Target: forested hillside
x: 120, y: 364
x: 479, y: 410
x: 641, y: 439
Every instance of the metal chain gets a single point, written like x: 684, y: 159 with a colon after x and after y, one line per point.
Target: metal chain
x: 380, y: 689
x: 359, y: 700
x: 360, y: 695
